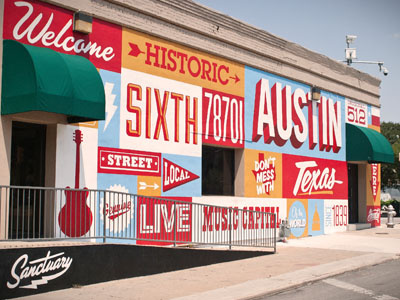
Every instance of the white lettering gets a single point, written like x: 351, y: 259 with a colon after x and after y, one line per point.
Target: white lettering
x: 308, y: 181
x: 38, y: 267
x: 49, y: 38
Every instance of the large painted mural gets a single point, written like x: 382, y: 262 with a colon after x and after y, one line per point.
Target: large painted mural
x: 165, y: 100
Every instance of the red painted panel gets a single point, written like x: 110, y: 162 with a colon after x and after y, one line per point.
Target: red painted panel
x: 156, y: 220
x: 223, y: 119
x: 314, y: 178
x: 130, y: 162
x: 44, y: 25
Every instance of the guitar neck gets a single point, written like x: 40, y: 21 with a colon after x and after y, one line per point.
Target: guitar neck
x: 77, y: 166
x: 78, y: 141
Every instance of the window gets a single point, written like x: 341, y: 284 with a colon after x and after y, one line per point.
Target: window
x: 218, y: 171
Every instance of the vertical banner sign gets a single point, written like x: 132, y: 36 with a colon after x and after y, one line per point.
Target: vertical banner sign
x: 373, y: 195
x: 374, y: 183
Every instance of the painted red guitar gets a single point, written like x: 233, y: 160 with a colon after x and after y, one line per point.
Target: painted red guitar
x: 75, y: 217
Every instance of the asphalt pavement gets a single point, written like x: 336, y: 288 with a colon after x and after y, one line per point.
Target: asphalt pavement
x: 295, y: 264
x: 373, y: 282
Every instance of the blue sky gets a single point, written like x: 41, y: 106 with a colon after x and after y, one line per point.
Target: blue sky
x: 322, y: 25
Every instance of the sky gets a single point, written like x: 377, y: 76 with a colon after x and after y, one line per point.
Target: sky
x: 322, y: 26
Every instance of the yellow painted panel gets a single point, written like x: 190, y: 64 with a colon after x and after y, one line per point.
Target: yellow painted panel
x: 263, y: 174
x: 148, y: 54
x: 149, y: 186
x: 374, y: 127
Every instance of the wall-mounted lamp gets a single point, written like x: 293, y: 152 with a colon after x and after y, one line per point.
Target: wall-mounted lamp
x: 315, y: 93
x: 82, y: 22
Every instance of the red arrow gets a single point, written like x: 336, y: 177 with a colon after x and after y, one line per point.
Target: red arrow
x: 374, y: 188
x: 236, y: 78
x: 135, y: 51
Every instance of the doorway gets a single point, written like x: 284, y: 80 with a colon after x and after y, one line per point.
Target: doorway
x: 352, y: 171
x: 26, y: 206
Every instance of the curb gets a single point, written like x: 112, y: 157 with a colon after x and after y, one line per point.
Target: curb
x: 260, y: 288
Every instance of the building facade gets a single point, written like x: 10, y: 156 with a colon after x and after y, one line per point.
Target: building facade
x: 196, y: 106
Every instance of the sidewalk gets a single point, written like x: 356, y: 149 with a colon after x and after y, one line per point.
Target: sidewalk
x: 295, y: 263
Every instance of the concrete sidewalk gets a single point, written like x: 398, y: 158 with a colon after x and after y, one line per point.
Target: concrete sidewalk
x: 295, y: 263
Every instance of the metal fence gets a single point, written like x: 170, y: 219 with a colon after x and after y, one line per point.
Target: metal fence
x: 32, y: 213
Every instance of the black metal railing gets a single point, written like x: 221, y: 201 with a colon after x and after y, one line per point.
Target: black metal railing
x: 37, y: 213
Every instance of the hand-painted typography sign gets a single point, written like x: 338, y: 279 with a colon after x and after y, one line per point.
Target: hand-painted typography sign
x: 297, y: 217
x: 131, y: 162
x: 263, y: 174
x: 29, y: 274
x: 159, y: 114
x: 279, y: 117
x: 335, y: 215
x: 216, y: 219
x: 144, y: 53
x: 163, y: 220
x: 374, y: 180
x: 356, y: 113
x: 307, y: 177
x: 223, y: 119
x: 175, y: 175
x: 283, y: 116
x: 40, y: 24
x: 117, y: 210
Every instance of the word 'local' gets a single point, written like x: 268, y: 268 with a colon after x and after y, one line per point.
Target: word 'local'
x: 279, y: 117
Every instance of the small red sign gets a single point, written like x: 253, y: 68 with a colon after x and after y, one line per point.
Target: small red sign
x: 43, y: 25
x: 374, y: 180
x: 314, y: 178
x: 374, y: 215
x: 156, y: 221
x: 130, y: 162
x: 175, y: 175
x: 223, y: 119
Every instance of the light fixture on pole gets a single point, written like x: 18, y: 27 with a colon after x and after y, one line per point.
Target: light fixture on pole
x: 351, y: 54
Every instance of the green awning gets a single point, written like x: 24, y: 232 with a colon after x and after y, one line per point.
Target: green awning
x: 41, y: 79
x: 365, y: 144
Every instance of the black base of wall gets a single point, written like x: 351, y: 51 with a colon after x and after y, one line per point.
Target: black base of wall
x: 27, y: 271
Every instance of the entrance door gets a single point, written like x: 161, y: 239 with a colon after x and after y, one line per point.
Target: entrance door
x: 352, y: 171
x: 27, y: 170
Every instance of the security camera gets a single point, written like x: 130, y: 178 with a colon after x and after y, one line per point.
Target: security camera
x: 385, y: 71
